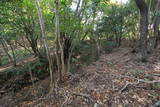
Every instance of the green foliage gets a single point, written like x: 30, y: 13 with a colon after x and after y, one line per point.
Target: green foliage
x: 18, y: 71
x: 38, y: 65
x: 95, y: 19
x: 108, y: 46
x: 21, y: 54
x: 118, y: 20
x: 155, y: 13
x: 8, y: 35
x: 84, y: 50
x: 38, y: 70
x: 4, y: 60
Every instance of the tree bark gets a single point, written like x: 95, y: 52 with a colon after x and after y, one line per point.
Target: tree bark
x: 143, y: 8
x: 77, y: 8
x: 42, y: 27
x: 13, y: 53
x: 156, y: 23
x: 59, y: 39
x: 5, y: 48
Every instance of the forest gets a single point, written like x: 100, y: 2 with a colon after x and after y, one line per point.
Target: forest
x: 79, y: 53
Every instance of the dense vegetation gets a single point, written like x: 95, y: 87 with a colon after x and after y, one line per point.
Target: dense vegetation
x: 55, y: 39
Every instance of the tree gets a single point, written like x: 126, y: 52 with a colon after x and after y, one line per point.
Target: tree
x: 143, y: 8
x: 59, y: 41
x: 156, y: 23
x: 41, y: 22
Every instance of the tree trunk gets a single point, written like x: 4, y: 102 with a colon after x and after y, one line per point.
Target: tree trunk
x: 0, y: 59
x: 77, y: 8
x: 156, y: 23
x: 5, y: 48
x: 41, y: 22
x: 33, y: 45
x: 143, y: 8
x: 59, y: 38
x: 156, y: 30
x: 13, y: 53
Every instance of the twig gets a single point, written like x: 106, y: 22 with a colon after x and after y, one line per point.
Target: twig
x: 66, y: 100
x: 127, y: 84
x: 125, y: 87
x: 83, y: 95
x: 66, y: 97
x: 158, y: 75
x: 149, y: 82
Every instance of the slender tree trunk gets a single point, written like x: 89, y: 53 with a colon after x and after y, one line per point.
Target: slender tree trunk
x: 77, y: 8
x: 156, y: 23
x: 58, y: 37
x: 5, y: 48
x: 0, y: 59
x: 13, y: 53
x: 33, y: 45
x: 143, y: 27
x: 32, y: 80
x: 98, y: 49
x: 121, y: 25
x: 41, y: 22
x: 156, y: 30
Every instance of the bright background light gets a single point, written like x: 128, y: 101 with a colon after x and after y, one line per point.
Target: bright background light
x: 74, y: 3
x: 119, y: 1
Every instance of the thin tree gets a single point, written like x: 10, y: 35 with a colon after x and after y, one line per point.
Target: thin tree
x: 156, y: 23
x: 42, y: 27
x: 6, y: 50
x: 59, y: 44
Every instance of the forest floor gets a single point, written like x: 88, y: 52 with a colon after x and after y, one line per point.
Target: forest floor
x: 117, y: 79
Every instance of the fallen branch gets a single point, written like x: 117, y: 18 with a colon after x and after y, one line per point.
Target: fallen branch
x: 158, y: 75
x: 140, y: 80
x: 136, y: 83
